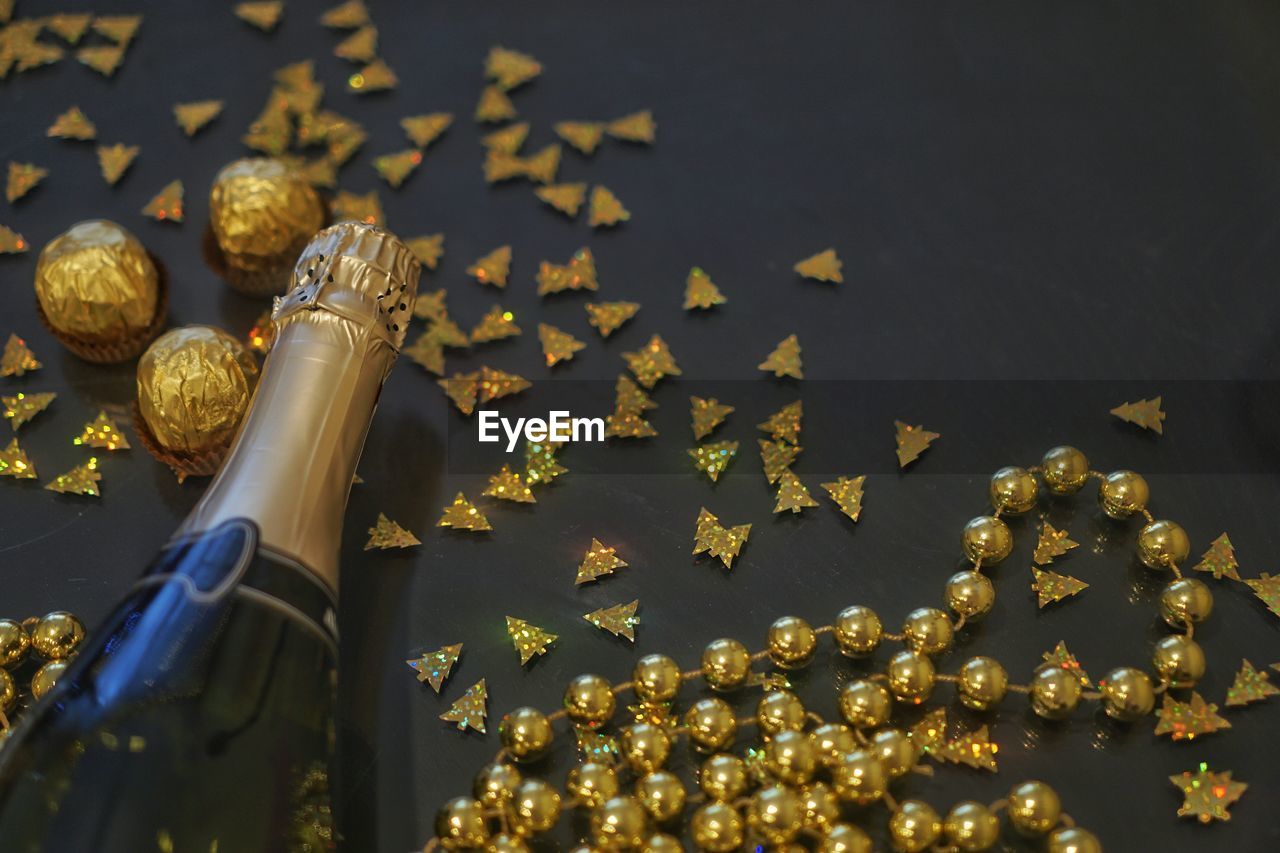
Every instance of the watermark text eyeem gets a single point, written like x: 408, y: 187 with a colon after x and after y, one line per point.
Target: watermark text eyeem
x: 558, y: 426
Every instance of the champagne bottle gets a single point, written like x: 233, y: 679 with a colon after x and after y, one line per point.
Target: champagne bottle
x: 199, y: 716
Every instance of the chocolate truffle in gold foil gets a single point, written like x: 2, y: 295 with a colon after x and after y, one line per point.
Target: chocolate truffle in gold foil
x: 194, y: 385
x: 99, y: 292
x: 261, y: 215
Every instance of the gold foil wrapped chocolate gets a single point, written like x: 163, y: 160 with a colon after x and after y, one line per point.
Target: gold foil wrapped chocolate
x: 99, y: 292
x: 261, y: 215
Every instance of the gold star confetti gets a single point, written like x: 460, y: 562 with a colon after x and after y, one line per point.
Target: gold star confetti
x: 1052, y: 587
x: 528, y: 639
x: 540, y: 465
x: 542, y: 168
x: 495, y: 325
x: 578, y: 274
x: 69, y: 28
x: 776, y: 457
x: 912, y: 441
x: 470, y: 710
x: 461, y: 515
x: 785, y: 359
x: 1220, y: 559
x: 194, y: 115
x: 495, y: 384
x: 701, y: 292
x: 397, y: 167
x: 427, y: 351
x: 509, y: 68
x: 14, y: 463
x: 360, y: 46
x: 608, y: 317
x: 365, y: 208
x: 166, y: 205
x: 1052, y: 543
x: 1207, y: 796
x: 605, y: 208
x: 620, y: 620
x: 600, y: 560
x: 711, y: 459
x: 430, y: 306
x: 263, y: 15
x: 104, y: 60
x: 23, y: 178
x: 262, y: 335
x: 387, y: 534
x: 784, y: 425
x: 21, y: 408
x: 1144, y: 413
x: 824, y: 266
x: 434, y: 667
x: 119, y: 28
x: 557, y: 346
x: 425, y: 129
x: 494, y: 106
x: 845, y: 491
x: 346, y: 16
x: 1267, y: 588
x: 73, y: 124
x: 17, y: 358
x: 566, y: 198
x: 493, y: 268
x: 1060, y: 656
x: 377, y: 76
x: 1250, y: 685
x: 706, y: 415
x: 652, y: 362
x: 115, y: 160
x: 636, y: 127
x: 80, y: 480
x: 507, y: 485
x: 582, y: 135
x: 792, y: 494
x: 462, y: 389
x: 428, y: 250
x: 1189, y: 720
x: 507, y: 140
x: 12, y: 243
x: 717, y: 541
x: 102, y: 432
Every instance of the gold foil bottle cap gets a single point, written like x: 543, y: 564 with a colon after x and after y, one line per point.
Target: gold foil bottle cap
x: 262, y: 212
x: 96, y: 282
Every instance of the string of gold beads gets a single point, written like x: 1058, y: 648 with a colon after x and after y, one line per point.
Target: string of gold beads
x: 50, y: 640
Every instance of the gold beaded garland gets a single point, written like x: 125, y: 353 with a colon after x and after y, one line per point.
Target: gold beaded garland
x: 1064, y: 470
x: 865, y: 704
x: 986, y: 539
x: 460, y: 824
x: 503, y: 843
x: 845, y: 838
x: 830, y: 740
x: 1123, y: 493
x: 1184, y: 602
x: 661, y: 794
x: 14, y: 643
x: 525, y: 733
x: 1179, y: 659
x: 778, y: 712
x: 592, y: 783
x: 911, y: 677
x: 725, y: 664
x: 1055, y: 693
x: 971, y: 826
x: 723, y: 777
x: 1127, y: 694
x: 914, y: 827
x: 859, y: 777
x: 495, y: 784
x: 56, y: 635
x: 645, y: 748
x: 1073, y: 839
x: 983, y: 683
x: 717, y: 828
x: 47, y: 676
x: 774, y: 813
x: 711, y: 724
x: 534, y: 808
x: 657, y: 678
x: 970, y: 594
x: 661, y: 842
x: 789, y: 757
x: 927, y: 631
x: 791, y: 642
x: 589, y: 699
x: 1034, y: 808
x: 1163, y: 545
x: 1013, y: 490
x: 857, y: 630
x: 819, y: 807
x: 620, y: 822
x: 896, y: 751
x: 8, y: 691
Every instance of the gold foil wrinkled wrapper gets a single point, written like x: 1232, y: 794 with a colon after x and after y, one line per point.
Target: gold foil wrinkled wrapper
x: 96, y: 282
x: 262, y: 213
x: 194, y: 385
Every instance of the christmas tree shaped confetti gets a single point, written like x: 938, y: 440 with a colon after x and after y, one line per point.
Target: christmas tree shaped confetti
x: 628, y: 398
x: 115, y: 160
x: 346, y: 16
x: 461, y: 515
x: 365, y: 208
x: 784, y: 425
x: 12, y: 243
x: 68, y: 27
x: 271, y: 131
x: 566, y: 198
x: 540, y: 465
x: 1060, y: 656
x: 360, y: 46
x: 23, y: 178
x: 706, y: 415
x: 447, y: 333
x: 652, y: 362
x: 507, y: 140
x: 542, y: 167
x: 425, y: 129
x: 14, y: 463
x: 434, y: 667
x: 493, y: 268
x: 263, y: 15
x: 719, y: 542
x: 582, y: 135
x: 929, y: 733
x: 387, y: 534
x: 496, y: 383
x: 499, y: 166
x: 596, y: 746
x: 792, y: 494
x: 845, y: 491
x: 1189, y: 720
x: 462, y: 389
x: 510, y: 68
x: 431, y: 305
x: 18, y: 358
x: 1052, y: 543
x: 528, y: 639
x: 396, y: 168
x: 1206, y: 796
x: 578, y: 274
x: 494, y: 326
x: 29, y: 52
x: 600, y: 560
x: 608, y: 317
x: 166, y: 205
x: 470, y: 710
x: 557, y: 346
x: 428, y: 250
x: 1267, y: 588
x: 80, y: 480
x: 494, y: 106
x: 102, y: 433
x: 427, y: 351
x: 824, y: 266
x: 1052, y: 587
x: 21, y: 408
x: 711, y: 459
x: 73, y: 124
x: 343, y: 140
x: 105, y: 60
x: 701, y: 292
x: 605, y: 208
x: 625, y: 424
x: 636, y: 127
x: 912, y: 441
x: 507, y: 485
x: 1144, y: 413
x: 785, y: 359
x: 776, y: 457
x: 620, y: 620
x: 377, y: 76
x: 1250, y: 685
x: 119, y: 28
x: 1220, y: 559
x: 972, y: 749
x: 194, y: 115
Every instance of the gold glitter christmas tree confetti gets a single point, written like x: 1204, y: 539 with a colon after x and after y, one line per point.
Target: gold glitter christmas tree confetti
x: 557, y: 346
x: 21, y: 408
x: 566, y: 198
x: 706, y: 415
x: 507, y: 140
x: 425, y: 129
x: 397, y: 167
x: 104, y: 60
x: 1052, y: 587
x: 13, y: 243
x: 652, y: 362
x: 1052, y: 543
x: 929, y: 733
x: 784, y: 425
x: 1207, y: 796
x: 462, y: 389
x: 73, y: 124
x: 428, y: 249
x: 768, y: 681
x: 343, y: 140
x: 1060, y: 656
x: 1220, y: 559
x: 628, y: 398
x: 578, y: 274
x: 493, y: 268
x: 507, y: 485
x: 470, y: 710
x: 377, y: 76
x: 494, y: 106
x: 1250, y: 685
x: 262, y: 335
x: 496, y: 325
x: 582, y: 135
x: 70, y: 28
x: 115, y: 160
x: 620, y: 620
x: 845, y: 491
x: 80, y: 480
x: 776, y: 457
x: 792, y: 494
x: 365, y: 208
x: 194, y: 115
x: 28, y: 52
x: 119, y: 28
x: 785, y: 359
x: 701, y: 292
x: 461, y: 515
x: 509, y: 69
x: 430, y: 305
x: 624, y: 424
x: 529, y: 640
x: 1267, y: 588
x: 495, y: 384
x: 387, y: 534
x: 23, y: 178
x: 18, y: 358
x: 166, y: 205
x: 540, y: 464
x: 600, y: 560
x: 346, y: 16
x: 270, y: 132
x: 608, y: 317
x: 14, y: 463
x: 434, y: 667
x: 912, y: 441
x: 711, y: 459
x: 595, y: 746
x: 636, y: 127
x: 972, y: 749
x: 427, y: 351
x: 605, y: 208
x: 360, y: 46
x: 718, y: 541
x: 1188, y: 720
x: 447, y: 333
x: 542, y: 167
x: 102, y: 432
x: 824, y: 266
x: 500, y: 166
x: 263, y: 15
x: 1144, y: 413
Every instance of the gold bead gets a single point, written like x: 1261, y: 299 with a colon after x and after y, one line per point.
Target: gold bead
x: 865, y: 704
x: 495, y: 784
x: 986, y: 539
x: 506, y: 844
x: 534, y: 808
x: 859, y: 777
x: 1034, y: 808
x: 1064, y: 469
x: 56, y: 635
x: 779, y: 711
x: 1163, y: 544
x: 1127, y: 694
x: 1179, y: 659
x: 845, y: 838
x: 723, y: 777
x: 1055, y: 693
x: 589, y: 699
x: 819, y: 808
x: 914, y: 827
x: 47, y: 676
x: 1013, y: 490
x: 711, y: 724
x: 661, y: 794
x: 911, y: 677
x: 725, y: 664
x: 645, y: 748
x: 1185, y: 601
x: 970, y: 594
x: 896, y: 751
x: 789, y: 757
x: 716, y: 827
x: 971, y: 826
x: 774, y: 813
x: 830, y: 740
x: 1073, y: 839
x: 14, y: 643
x: 1123, y: 493
x: 460, y: 824
x: 857, y: 631
x: 8, y: 691
x: 621, y: 823
x: 592, y: 783
x: 983, y: 683
x: 660, y: 842
x: 656, y: 678
x: 525, y: 733
x: 927, y: 631
x: 791, y: 642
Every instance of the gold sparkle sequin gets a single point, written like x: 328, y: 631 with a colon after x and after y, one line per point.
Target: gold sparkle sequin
x: 701, y: 292
x: 365, y: 208
x: 636, y: 127
x: 582, y: 135
x: 578, y: 274
x: 462, y: 389
x: 105, y: 60
x: 166, y: 205
x: 346, y: 16
x: 11, y: 242
x: 493, y: 268
x: 706, y: 415
x: 18, y: 358
x: 1061, y: 656
x: 600, y: 560
x: 23, y: 178
x: 470, y: 711
x: 425, y: 129
x: 1207, y: 796
x: 540, y: 463
x: 507, y: 140
x: 396, y: 168
x: 80, y: 480
x: 912, y: 441
x: 846, y: 492
x: 509, y: 68
x: 508, y: 485
x: 102, y: 432
x: 792, y: 494
x: 566, y: 198
x: 1250, y: 685
x: 784, y: 425
x: 620, y: 620
x: 713, y: 458
x: 652, y: 362
x: 115, y: 160
x: 14, y: 462
x: 263, y: 15
x: 377, y: 76
x: 608, y: 317
x: 387, y: 534
x: 824, y: 266
x: 1220, y: 559
x: 1144, y: 413
x: 494, y: 106
x: 434, y: 667
x: 776, y: 457
x: 785, y: 359
x: 428, y: 249
x: 1051, y: 587
x: 73, y: 124
x: 1267, y: 588
x: 495, y: 384
x: 496, y: 325
x: 605, y: 209
x: 21, y: 408
x: 528, y: 639
x: 717, y: 541
x: 557, y: 346
x: 461, y: 515
x: 1051, y: 544
x: 629, y: 405
x: 1189, y: 720
x: 360, y: 46
x: 194, y: 115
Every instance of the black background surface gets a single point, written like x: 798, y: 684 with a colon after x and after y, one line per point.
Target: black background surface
x: 1027, y: 194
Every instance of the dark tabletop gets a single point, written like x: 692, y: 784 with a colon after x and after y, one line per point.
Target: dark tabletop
x: 1043, y: 210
